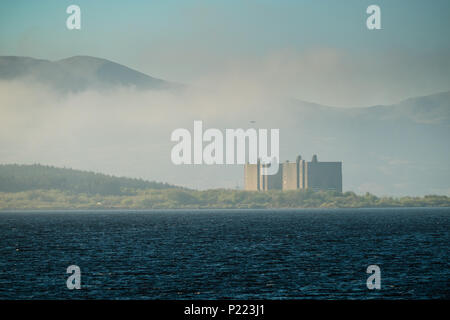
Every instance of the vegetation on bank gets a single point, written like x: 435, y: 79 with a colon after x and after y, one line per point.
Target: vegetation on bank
x: 44, y: 187
x: 16, y: 178
x: 217, y: 198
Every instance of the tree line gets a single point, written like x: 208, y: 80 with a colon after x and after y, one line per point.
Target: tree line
x: 209, y: 199
x: 46, y: 187
x: 16, y: 178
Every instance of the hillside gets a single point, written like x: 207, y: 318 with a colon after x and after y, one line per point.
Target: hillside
x: 396, y: 150
x: 17, y: 178
x: 77, y: 73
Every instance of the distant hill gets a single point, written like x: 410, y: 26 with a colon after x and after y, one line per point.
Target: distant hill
x: 399, y: 149
x: 78, y: 73
x: 16, y: 178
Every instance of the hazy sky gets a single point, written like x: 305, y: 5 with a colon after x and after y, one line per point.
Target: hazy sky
x: 243, y: 60
x: 313, y: 50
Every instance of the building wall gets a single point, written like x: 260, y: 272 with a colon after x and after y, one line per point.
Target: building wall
x: 296, y: 175
x: 323, y: 176
x: 301, y: 174
x: 290, y: 176
x: 270, y: 182
x: 251, y: 177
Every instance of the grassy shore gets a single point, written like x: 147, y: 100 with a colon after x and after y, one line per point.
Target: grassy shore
x: 217, y: 198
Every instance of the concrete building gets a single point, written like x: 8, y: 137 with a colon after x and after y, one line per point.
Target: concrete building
x: 268, y: 182
x: 292, y: 176
x: 254, y: 180
x: 323, y: 175
x: 252, y: 174
x: 296, y: 175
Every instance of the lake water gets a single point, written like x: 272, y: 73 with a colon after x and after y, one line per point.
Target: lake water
x: 220, y: 254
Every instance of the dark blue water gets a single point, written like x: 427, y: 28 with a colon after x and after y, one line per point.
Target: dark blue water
x: 245, y: 254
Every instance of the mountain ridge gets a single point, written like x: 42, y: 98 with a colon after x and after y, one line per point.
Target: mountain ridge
x: 110, y: 73
x: 395, y: 149
x: 22, y: 177
x: 78, y: 73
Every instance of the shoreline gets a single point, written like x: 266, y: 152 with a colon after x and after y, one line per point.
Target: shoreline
x: 128, y: 210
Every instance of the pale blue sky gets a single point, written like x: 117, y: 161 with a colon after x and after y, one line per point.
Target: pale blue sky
x: 180, y: 40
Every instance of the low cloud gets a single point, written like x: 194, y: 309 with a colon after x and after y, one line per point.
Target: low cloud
x: 335, y: 77
x: 122, y: 131
x: 126, y: 132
